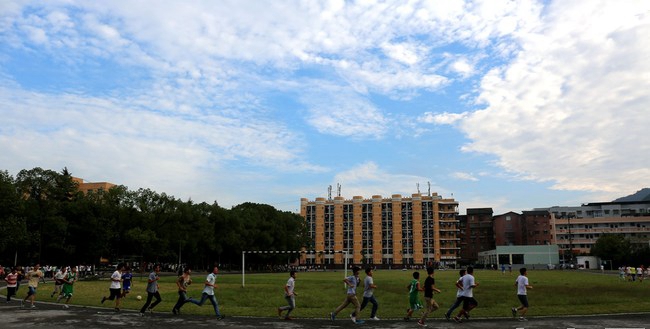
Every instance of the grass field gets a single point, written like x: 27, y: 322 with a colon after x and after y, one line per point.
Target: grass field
x: 318, y: 293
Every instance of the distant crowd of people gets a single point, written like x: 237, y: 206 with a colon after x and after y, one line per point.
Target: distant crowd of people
x: 631, y: 273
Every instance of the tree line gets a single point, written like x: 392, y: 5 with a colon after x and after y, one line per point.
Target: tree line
x: 44, y: 218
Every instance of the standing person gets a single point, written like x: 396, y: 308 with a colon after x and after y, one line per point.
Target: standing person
x: 352, y: 282
x: 182, y: 282
x: 34, y: 276
x: 469, y: 303
x: 522, y: 284
x: 459, y: 295
x: 429, y: 289
x: 116, y: 287
x: 369, y: 295
x: 152, y: 291
x: 414, y: 302
x: 68, y: 281
x: 58, y: 281
x: 12, y: 282
x: 127, y: 279
x: 289, y: 295
x: 208, y: 293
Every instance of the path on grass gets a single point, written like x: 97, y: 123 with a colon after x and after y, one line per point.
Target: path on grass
x: 50, y: 315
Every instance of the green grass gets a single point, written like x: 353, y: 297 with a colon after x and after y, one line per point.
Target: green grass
x: 554, y: 293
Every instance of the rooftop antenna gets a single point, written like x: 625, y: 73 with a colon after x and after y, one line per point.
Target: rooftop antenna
x: 329, y: 192
x: 417, y: 185
x: 429, y: 191
x: 338, y: 189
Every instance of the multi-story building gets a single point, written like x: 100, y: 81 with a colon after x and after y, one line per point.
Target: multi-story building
x: 476, y: 233
x: 509, y: 229
x: 576, y: 229
x: 382, y: 231
x: 537, y: 227
x: 86, y: 187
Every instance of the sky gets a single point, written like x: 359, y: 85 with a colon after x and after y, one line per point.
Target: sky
x: 512, y: 105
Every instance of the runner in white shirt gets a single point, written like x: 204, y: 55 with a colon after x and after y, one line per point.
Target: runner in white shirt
x: 116, y: 287
x: 522, y: 285
x: 289, y: 295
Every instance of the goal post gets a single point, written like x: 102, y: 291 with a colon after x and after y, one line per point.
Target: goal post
x: 270, y: 252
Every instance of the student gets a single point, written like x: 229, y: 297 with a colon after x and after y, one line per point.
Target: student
x: 459, y: 295
x: 469, y: 303
x: 127, y: 280
x: 289, y: 295
x: 522, y: 284
x: 12, y: 282
x: 116, y: 287
x: 182, y: 282
x: 369, y: 295
x: 208, y: 293
x: 414, y: 302
x: 352, y: 282
x: 34, y: 276
x: 429, y: 289
x: 68, y: 281
x: 152, y: 291
x: 58, y: 281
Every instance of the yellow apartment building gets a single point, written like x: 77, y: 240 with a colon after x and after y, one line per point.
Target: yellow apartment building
x: 86, y: 187
x: 386, y: 232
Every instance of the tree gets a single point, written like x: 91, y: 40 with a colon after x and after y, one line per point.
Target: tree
x: 612, y: 246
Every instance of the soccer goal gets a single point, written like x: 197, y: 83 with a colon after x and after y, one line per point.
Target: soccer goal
x: 243, y: 258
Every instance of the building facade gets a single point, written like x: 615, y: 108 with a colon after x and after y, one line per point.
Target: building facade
x: 509, y: 229
x: 386, y: 232
x: 476, y: 233
x: 87, y: 187
x: 576, y: 229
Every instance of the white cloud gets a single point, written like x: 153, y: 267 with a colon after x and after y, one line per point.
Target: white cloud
x: 572, y: 106
x: 444, y: 118
x: 368, y: 179
x: 464, y: 176
x: 345, y: 114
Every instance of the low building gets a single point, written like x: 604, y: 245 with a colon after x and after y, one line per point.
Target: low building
x: 521, y: 256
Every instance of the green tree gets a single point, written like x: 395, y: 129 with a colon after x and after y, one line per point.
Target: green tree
x: 612, y: 246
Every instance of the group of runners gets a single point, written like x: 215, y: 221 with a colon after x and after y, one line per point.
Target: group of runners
x: 121, y: 286
x: 121, y: 280
x: 63, y: 284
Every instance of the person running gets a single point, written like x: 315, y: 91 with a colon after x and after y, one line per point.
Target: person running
x: 116, y: 287
x: 459, y: 295
x: 127, y: 280
x: 58, y: 281
x: 12, y: 282
x: 369, y: 295
x: 469, y: 303
x: 522, y: 284
x: 414, y: 302
x: 68, y: 281
x: 182, y: 283
x: 208, y: 293
x: 34, y: 277
x: 429, y: 289
x: 289, y: 295
x: 352, y: 282
x: 152, y: 291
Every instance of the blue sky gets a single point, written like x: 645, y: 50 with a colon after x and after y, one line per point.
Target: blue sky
x: 505, y: 104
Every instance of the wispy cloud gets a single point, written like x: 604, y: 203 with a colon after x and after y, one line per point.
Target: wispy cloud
x: 570, y: 107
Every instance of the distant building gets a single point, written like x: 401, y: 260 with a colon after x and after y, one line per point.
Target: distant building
x: 576, y: 229
x: 520, y: 256
x: 537, y: 227
x: 476, y: 233
x: 385, y: 232
x: 87, y: 187
x: 509, y: 229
